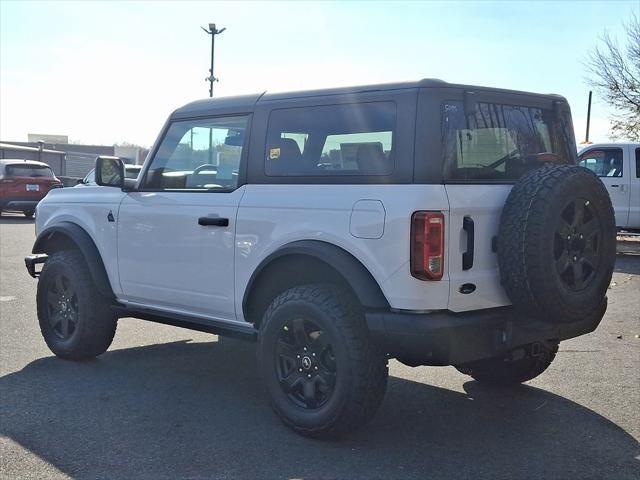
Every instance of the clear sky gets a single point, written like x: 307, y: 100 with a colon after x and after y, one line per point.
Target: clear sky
x: 106, y: 72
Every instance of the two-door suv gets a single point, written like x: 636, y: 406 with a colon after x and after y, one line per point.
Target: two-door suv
x: 434, y: 223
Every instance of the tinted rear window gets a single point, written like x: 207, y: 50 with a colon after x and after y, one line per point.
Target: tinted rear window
x: 501, y: 142
x: 356, y: 139
x: 28, y: 171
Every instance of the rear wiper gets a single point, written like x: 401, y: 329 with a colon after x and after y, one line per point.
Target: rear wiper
x: 500, y: 161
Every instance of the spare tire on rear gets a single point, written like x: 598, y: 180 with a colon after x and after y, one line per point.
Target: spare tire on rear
x: 557, y: 243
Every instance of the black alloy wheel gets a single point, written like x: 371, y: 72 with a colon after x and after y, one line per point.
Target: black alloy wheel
x: 577, y: 244
x: 305, y: 363
x: 324, y: 375
x: 62, y: 307
x: 76, y: 321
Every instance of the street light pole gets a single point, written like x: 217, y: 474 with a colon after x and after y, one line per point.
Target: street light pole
x: 213, y: 31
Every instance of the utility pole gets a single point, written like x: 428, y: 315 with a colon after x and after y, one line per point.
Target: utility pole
x: 213, y: 31
x: 586, y: 140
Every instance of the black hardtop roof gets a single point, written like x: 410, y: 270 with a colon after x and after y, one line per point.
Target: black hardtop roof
x: 223, y: 105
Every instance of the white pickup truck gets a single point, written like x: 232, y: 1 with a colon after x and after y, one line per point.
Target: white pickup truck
x: 618, y: 166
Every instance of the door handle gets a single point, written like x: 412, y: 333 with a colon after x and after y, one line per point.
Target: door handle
x: 467, y: 257
x: 213, y: 222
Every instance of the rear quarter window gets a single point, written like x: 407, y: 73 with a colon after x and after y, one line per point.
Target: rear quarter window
x: 500, y: 142
x: 330, y: 140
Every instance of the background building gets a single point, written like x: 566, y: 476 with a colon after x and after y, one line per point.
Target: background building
x: 70, y: 160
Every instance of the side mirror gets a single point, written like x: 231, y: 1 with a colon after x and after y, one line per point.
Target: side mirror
x: 109, y: 171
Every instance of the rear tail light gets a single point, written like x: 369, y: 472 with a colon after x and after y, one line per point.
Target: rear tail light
x: 427, y: 245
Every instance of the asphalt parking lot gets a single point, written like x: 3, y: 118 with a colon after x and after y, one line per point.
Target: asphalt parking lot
x: 165, y: 402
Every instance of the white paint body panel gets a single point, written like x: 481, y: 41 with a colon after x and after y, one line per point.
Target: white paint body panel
x: 483, y: 203
x: 88, y: 208
x: 271, y: 216
x: 625, y: 190
x: 634, y: 185
x: 167, y: 260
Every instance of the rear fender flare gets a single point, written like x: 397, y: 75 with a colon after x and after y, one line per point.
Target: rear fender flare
x: 356, y: 275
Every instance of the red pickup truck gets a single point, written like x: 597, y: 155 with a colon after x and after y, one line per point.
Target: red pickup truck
x: 23, y: 183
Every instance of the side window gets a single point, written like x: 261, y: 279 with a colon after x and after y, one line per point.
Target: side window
x: 604, y: 162
x: 637, y: 162
x: 355, y: 139
x: 198, y: 155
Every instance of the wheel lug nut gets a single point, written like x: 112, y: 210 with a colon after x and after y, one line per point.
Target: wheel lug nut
x: 313, y: 354
x: 315, y: 368
x: 299, y: 369
x: 575, y: 259
x: 297, y: 356
x: 309, y: 376
x: 304, y: 348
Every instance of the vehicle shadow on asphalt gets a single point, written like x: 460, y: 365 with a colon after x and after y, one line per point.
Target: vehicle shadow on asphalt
x: 628, y: 263
x: 196, y: 410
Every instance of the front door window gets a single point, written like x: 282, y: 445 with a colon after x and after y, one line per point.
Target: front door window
x: 198, y: 155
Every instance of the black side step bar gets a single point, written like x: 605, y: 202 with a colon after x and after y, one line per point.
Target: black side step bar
x: 217, y: 327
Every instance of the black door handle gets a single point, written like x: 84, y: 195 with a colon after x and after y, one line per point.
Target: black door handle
x: 467, y: 257
x: 213, y: 221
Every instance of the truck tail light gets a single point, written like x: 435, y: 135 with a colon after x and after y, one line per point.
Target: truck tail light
x: 427, y: 245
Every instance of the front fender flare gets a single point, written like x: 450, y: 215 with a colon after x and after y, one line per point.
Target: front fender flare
x: 84, y: 243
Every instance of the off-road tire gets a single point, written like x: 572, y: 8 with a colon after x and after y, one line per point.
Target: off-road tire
x: 504, y: 371
x: 534, y: 223
x: 361, y: 370
x: 96, y: 323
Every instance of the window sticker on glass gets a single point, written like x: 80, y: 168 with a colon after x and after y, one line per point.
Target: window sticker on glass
x: 274, y: 154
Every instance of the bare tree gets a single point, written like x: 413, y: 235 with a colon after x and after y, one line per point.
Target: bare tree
x: 614, y: 72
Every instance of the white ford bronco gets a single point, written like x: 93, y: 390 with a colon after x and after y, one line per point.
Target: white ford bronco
x: 434, y: 223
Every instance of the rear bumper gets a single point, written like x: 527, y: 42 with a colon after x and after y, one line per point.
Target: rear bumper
x: 20, y: 204
x: 447, y: 338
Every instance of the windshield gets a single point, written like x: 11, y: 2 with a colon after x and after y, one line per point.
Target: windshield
x: 29, y: 170
x: 501, y: 142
